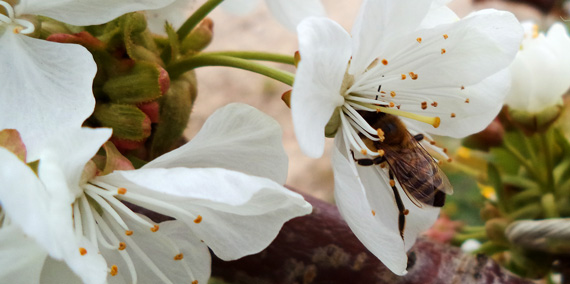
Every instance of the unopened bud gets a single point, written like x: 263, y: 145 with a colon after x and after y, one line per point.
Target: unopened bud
x: 489, y: 211
x: 128, y: 122
x: 145, y: 82
x: 495, y: 229
x: 83, y: 38
x: 175, y: 108
x: 199, y: 38
x: 152, y: 110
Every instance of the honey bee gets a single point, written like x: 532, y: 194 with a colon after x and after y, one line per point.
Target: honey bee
x: 418, y: 173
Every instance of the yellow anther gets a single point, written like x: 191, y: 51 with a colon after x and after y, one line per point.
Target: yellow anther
x: 384, y: 61
x: 121, y: 190
x: 373, y: 213
x: 413, y: 75
x: 445, y: 36
x: 122, y: 246
x: 403, y: 76
x: 449, y: 160
x: 406, y: 212
x: 179, y: 256
x: 419, y: 39
x: 82, y: 251
x: 443, y: 51
x: 381, y: 152
x: 380, y: 133
x: 392, y: 182
x: 155, y: 228
x: 114, y: 270
x: 424, y: 105
x: 452, y: 114
x: 363, y: 152
x: 392, y: 104
x: 434, y: 104
x: 195, y: 282
x: 128, y: 232
x: 462, y: 87
x: 198, y: 219
x: 467, y: 100
x: 393, y: 94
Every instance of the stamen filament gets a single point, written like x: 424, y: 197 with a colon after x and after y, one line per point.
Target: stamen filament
x: 353, y: 137
x: 358, y: 118
x: 434, y: 121
x: 91, y: 228
x: 123, y: 253
x: 105, y: 206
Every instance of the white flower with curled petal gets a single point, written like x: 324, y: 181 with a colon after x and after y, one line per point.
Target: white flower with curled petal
x: 47, y: 85
x: 541, y: 70
x: 216, y: 199
x: 413, y: 59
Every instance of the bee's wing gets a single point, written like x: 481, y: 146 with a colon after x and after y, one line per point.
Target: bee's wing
x: 418, y: 174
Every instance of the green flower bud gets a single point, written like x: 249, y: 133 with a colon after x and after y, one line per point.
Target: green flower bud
x: 143, y: 83
x: 199, y: 38
x: 175, y: 107
x: 128, y: 122
x: 495, y: 229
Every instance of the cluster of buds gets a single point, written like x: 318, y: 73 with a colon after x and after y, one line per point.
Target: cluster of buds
x: 146, y: 108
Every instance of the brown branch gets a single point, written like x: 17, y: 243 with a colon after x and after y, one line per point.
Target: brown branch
x: 320, y: 248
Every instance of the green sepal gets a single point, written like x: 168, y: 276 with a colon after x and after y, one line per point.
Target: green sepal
x: 128, y: 122
x: 496, y: 182
x: 535, y: 122
x: 145, y: 82
x: 175, y: 107
x: 172, y: 51
x: 531, y: 211
x: 138, y: 41
x: 115, y: 160
x: 199, y: 38
x: 527, y: 196
x: 11, y: 140
x: 334, y: 124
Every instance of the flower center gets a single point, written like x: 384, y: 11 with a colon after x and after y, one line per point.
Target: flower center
x: 102, y: 218
x: 18, y: 26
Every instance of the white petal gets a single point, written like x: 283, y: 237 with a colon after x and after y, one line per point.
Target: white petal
x: 291, y: 12
x: 65, y: 156
x: 379, y: 233
x: 325, y: 51
x: 176, y: 13
x: 486, y: 41
x: 438, y: 14
x: 40, y: 92
x: 381, y: 22
x: 239, y: 7
x: 485, y: 102
x: 236, y: 137
x: 55, y: 271
x: 23, y: 198
x: 84, y: 13
x: 21, y: 258
x: 241, y: 214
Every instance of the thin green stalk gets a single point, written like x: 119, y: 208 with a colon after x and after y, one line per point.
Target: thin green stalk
x: 513, y: 151
x: 545, y: 145
x: 256, y: 55
x: 194, y: 62
x: 197, y: 17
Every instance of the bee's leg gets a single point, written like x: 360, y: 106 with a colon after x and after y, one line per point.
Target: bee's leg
x: 368, y: 162
x: 419, y: 137
x: 401, y: 209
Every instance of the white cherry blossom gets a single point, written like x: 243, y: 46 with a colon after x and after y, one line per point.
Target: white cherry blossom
x: 218, y: 200
x: 541, y: 70
x: 413, y: 59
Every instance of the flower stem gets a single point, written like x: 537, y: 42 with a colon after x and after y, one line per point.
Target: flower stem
x: 194, y: 62
x: 197, y: 17
x: 545, y: 145
x: 513, y: 151
x: 256, y: 55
